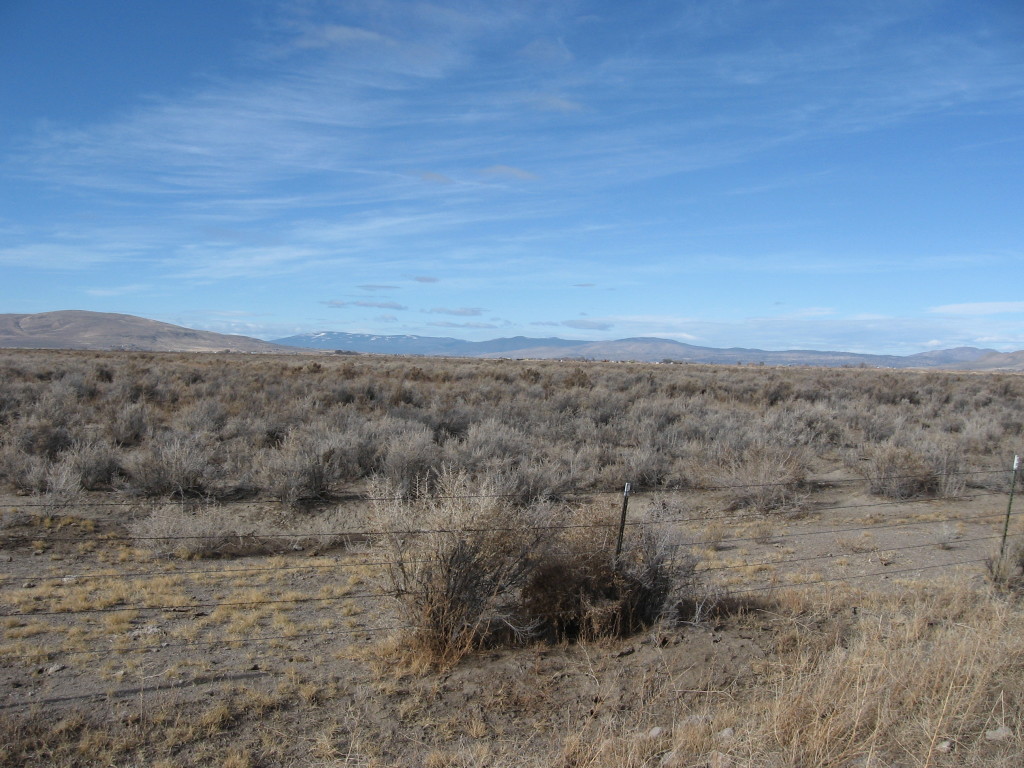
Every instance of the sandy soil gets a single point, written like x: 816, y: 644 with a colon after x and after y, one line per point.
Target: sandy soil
x: 97, y: 626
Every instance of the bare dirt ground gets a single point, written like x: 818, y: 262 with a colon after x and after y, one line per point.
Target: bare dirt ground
x: 116, y: 652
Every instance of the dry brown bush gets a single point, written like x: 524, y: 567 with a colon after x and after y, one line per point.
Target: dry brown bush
x: 908, y: 468
x: 458, y: 560
x: 470, y: 567
x: 169, y: 464
x: 97, y: 464
x: 764, y: 479
x: 581, y: 591
x: 189, y: 530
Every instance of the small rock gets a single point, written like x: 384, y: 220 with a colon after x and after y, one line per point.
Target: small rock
x: 69, y: 579
x: 625, y: 652
x: 656, y: 732
x: 727, y: 734
x: 945, y: 747
x: 695, y: 720
x: 37, y: 552
x: 297, y: 547
x: 28, y: 585
x: 1002, y: 733
x: 150, y: 630
x: 55, y: 669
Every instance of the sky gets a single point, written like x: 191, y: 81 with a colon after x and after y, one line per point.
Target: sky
x: 776, y: 174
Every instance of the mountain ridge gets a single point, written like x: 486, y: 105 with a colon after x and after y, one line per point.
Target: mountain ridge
x: 85, y: 330
x: 643, y: 349
x: 82, y: 329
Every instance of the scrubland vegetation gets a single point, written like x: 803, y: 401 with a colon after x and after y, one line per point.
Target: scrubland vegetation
x: 252, y: 561
x: 227, y: 426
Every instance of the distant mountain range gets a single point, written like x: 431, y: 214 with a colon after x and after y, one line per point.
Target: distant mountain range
x: 645, y: 349
x: 77, y: 329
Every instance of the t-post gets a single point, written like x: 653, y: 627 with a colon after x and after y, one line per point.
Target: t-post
x: 1009, y: 506
x: 622, y: 521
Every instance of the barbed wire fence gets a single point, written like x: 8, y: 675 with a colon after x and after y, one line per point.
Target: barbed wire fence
x: 20, y: 601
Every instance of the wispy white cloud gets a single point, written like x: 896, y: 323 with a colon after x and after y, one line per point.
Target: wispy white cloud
x: 334, y: 304
x: 436, y: 178
x: 56, y: 256
x: 207, y: 263
x: 796, y: 314
x: 510, y: 172
x: 980, y: 308
x: 588, y: 325
x: 117, y: 290
x: 459, y: 311
x: 556, y: 104
x: 462, y: 325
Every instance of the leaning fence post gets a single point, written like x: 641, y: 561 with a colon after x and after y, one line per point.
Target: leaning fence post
x: 1009, y: 506
x: 622, y: 520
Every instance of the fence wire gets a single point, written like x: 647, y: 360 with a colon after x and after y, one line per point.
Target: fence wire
x: 374, y: 595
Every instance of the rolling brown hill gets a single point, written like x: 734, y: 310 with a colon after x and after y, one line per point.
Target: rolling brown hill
x: 1000, y: 361
x: 78, y: 329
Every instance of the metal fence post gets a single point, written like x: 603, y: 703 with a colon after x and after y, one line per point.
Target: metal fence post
x: 1009, y: 506
x: 622, y: 520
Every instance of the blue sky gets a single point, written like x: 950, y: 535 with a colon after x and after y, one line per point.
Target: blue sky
x: 726, y: 173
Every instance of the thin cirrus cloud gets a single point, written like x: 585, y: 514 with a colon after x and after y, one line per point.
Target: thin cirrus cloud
x: 436, y: 178
x: 458, y: 312
x: 980, y: 308
x: 588, y: 325
x: 510, y: 172
x: 373, y: 304
x: 117, y: 290
x: 463, y: 325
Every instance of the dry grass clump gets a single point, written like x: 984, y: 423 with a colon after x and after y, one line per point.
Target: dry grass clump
x: 923, y: 678
x: 188, y: 530
x: 1006, y: 570
x: 471, y: 567
x: 933, y: 676
x: 764, y: 478
x: 904, y: 469
x: 204, y: 529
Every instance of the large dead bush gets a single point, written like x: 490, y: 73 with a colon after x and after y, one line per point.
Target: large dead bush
x: 582, y: 591
x: 905, y: 468
x: 764, y: 477
x: 471, y: 567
